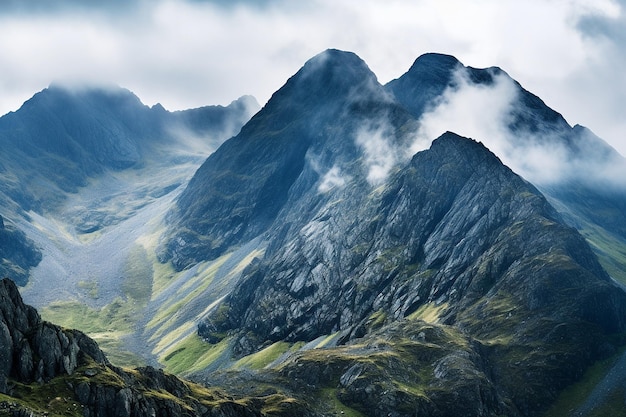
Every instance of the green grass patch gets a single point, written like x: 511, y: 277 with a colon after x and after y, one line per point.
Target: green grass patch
x: 172, y: 337
x: 192, y: 354
x: 326, y: 341
x: 376, y: 320
x: 51, y: 399
x: 328, y: 396
x: 186, y: 294
x: 138, y: 275
x: 56, y: 398
x: 429, y: 312
x: 610, y: 249
x: 261, y: 359
x: 90, y: 287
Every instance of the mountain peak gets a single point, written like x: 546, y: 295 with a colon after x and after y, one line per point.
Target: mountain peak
x: 427, y: 78
x: 331, y: 58
x: 328, y: 77
x: 434, y: 63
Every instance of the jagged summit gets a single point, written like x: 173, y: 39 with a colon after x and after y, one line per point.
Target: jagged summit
x: 310, y: 126
x: 321, y: 85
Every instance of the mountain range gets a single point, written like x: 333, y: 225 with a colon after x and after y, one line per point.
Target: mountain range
x: 332, y: 253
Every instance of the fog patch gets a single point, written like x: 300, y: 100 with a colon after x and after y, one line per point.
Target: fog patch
x: 485, y: 112
x: 379, y: 154
x: 332, y: 178
x: 477, y: 111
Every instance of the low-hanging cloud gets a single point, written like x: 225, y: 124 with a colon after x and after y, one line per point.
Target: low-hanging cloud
x: 331, y: 179
x: 379, y: 153
x: 485, y: 112
x: 477, y: 111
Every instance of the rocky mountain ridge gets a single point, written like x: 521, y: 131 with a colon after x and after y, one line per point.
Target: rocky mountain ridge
x: 359, y: 235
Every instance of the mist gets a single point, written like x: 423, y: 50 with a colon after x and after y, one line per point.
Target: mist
x: 550, y: 156
x: 379, y: 153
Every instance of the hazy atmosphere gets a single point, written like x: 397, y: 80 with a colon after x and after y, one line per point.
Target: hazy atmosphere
x: 189, y: 53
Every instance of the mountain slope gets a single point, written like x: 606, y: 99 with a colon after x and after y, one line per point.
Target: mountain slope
x: 489, y: 256
x: 76, y: 162
x: 578, y: 172
x: 17, y: 253
x: 365, y: 242
x: 303, y: 133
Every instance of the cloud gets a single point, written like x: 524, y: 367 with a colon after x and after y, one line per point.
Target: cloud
x: 188, y: 53
x: 484, y: 113
x: 332, y: 178
x: 46, y: 6
x: 380, y: 154
x: 475, y: 111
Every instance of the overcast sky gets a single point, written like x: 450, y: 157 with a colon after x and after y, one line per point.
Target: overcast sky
x: 189, y: 53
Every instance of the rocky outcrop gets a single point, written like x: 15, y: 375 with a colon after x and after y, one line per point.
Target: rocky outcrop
x: 69, y: 365
x: 34, y: 350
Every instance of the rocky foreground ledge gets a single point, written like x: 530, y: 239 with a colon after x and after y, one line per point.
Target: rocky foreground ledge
x: 47, y: 370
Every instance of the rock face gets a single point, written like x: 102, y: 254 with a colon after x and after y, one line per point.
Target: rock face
x: 367, y: 242
x: 36, y: 351
x: 17, y: 254
x: 41, y: 356
x: 304, y: 133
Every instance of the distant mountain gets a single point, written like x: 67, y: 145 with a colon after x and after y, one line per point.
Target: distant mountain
x: 366, y: 244
x: 62, y: 137
x: 102, y: 150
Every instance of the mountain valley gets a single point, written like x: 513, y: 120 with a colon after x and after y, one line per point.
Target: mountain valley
x: 350, y: 248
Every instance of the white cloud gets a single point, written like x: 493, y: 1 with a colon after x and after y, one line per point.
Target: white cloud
x: 332, y: 178
x: 379, y: 154
x: 187, y: 53
x: 484, y: 113
x: 474, y: 111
